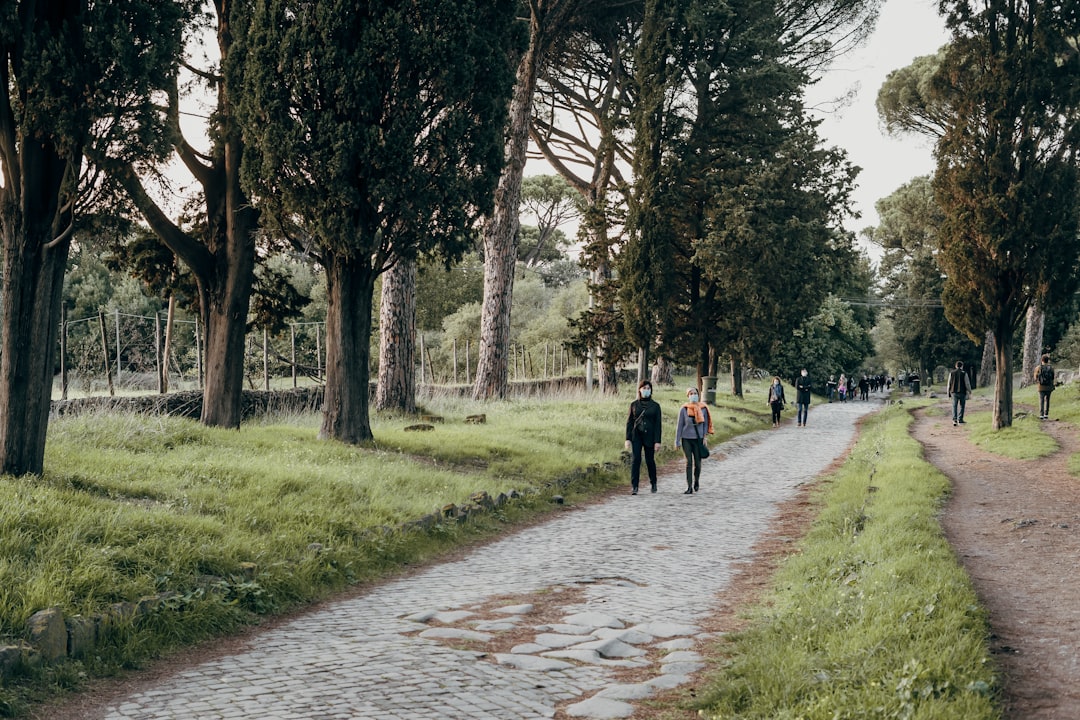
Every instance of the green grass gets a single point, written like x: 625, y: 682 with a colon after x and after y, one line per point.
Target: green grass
x: 873, y: 617
x: 235, y: 525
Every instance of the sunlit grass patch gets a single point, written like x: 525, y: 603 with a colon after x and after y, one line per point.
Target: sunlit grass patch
x: 1023, y: 440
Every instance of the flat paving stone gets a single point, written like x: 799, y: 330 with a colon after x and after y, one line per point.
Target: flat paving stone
x: 634, y: 560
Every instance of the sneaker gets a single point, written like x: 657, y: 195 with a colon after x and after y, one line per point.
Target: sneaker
x: 634, y: 491
x: 954, y: 423
x: 961, y: 421
x: 654, y: 487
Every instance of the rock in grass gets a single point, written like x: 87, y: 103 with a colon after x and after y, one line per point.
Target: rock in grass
x: 419, y: 427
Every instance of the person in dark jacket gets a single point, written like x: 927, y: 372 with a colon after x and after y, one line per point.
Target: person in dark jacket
x: 643, y: 434
x: 958, y: 389
x: 802, y: 397
x: 1045, y: 376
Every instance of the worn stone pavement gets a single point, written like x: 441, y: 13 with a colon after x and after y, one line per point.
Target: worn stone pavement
x: 638, y: 574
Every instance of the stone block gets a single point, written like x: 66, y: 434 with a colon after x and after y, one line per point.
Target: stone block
x: 82, y: 633
x: 12, y: 656
x: 48, y: 633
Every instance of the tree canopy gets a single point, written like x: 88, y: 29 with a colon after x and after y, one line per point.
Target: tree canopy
x: 1007, y: 174
x: 377, y: 130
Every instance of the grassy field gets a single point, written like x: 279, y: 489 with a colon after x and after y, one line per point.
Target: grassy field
x: 872, y: 617
x: 234, y: 525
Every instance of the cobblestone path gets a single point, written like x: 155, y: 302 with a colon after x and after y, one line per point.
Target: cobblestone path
x: 631, y: 579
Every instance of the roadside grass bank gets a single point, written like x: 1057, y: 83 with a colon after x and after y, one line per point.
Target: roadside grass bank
x: 223, y: 527
x: 872, y: 616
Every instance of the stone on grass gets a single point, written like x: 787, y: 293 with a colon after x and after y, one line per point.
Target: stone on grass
x: 552, y: 641
x: 515, y: 609
x: 600, y: 708
x: 594, y: 619
x: 531, y: 662
x: 48, y: 633
x: 637, y: 691
x: 449, y: 633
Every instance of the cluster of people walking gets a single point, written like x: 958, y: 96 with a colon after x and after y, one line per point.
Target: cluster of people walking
x: 644, y: 435
x: 847, y: 387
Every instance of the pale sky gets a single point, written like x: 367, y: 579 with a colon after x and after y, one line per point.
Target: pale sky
x: 906, y: 29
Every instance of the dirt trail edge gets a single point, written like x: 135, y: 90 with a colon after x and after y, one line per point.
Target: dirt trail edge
x: 1015, y: 527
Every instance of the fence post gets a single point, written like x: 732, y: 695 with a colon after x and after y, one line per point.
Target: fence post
x: 423, y: 376
x: 166, y: 350
x: 157, y: 350
x: 63, y: 352
x: 105, y: 347
x: 468, y: 349
x: 318, y: 353
x: 455, y: 361
x: 198, y: 356
x: 292, y: 344
x: 266, y: 359
x: 117, y: 312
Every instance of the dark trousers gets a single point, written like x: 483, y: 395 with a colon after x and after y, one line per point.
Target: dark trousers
x: 959, y: 401
x: 691, y: 448
x: 637, y: 445
x: 801, y: 411
x: 776, y: 408
x: 1044, y: 402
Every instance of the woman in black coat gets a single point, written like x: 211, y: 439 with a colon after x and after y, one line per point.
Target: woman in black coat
x: 643, y: 426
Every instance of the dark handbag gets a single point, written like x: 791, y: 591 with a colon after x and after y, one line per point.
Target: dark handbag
x: 704, y: 447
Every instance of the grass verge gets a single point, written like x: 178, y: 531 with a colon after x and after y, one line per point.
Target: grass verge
x: 229, y: 526
x: 873, y: 617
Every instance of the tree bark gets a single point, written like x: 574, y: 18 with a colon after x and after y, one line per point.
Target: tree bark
x: 350, y: 289
x: 1003, y: 411
x: 663, y: 371
x: 397, y: 339
x: 501, y: 236
x: 1033, y: 340
x: 987, y: 369
x: 736, y: 375
x: 32, y: 298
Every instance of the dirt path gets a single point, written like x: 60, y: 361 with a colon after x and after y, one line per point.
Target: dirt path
x: 1015, y: 526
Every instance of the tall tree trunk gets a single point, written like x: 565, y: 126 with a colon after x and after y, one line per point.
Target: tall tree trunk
x: 350, y: 289
x: 663, y: 371
x: 1003, y: 411
x: 642, y: 364
x: 736, y: 375
x: 1033, y: 340
x: 987, y: 369
x: 166, y: 349
x: 226, y: 295
x: 32, y: 298
x: 501, y: 237
x: 397, y: 339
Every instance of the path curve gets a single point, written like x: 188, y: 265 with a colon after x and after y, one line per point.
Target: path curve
x: 1015, y: 527
x: 576, y: 617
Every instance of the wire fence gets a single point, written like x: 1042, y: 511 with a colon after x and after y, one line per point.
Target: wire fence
x: 120, y: 352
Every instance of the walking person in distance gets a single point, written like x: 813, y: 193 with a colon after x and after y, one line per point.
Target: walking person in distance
x: 777, y: 400
x: 643, y: 434
x: 959, y: 387
x: 802, y: 397
x: 1044, y: 376
x: 691, y: 431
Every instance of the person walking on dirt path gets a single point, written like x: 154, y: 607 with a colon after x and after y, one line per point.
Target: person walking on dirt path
x: 1044, y: 376
x: 643, y: 433
x: 959, y: 387
x: 691, y: 431
x: 777, y: 400
x: 830, y: 387
x: 802, y: 397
